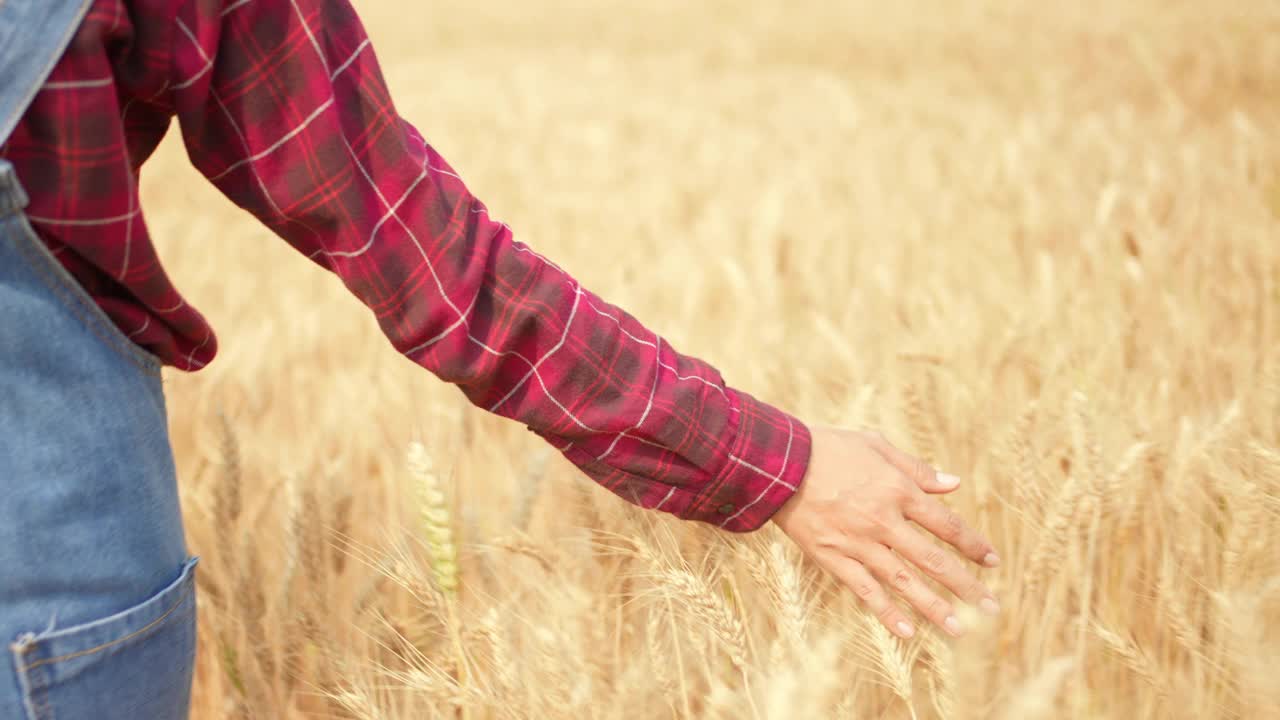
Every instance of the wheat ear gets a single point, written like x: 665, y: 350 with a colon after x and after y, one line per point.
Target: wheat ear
x: 889, y: 655
x: 226, y: 497
x: 707, y: 606
x: 1138, y: 661
x: 435, y: 518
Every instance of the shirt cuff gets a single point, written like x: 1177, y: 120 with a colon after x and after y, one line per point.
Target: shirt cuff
x: 768, y: 461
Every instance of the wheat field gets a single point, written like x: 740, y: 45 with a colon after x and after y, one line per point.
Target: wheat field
x: 1036, y: 243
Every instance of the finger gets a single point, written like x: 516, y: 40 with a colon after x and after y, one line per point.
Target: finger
x: 916, y: 470
x: 894, y: 573
x: 853, y: 575
x: 942, y: 566
x: 945, y: 523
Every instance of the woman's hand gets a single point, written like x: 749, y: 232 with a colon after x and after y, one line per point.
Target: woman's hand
x: 851, y: 516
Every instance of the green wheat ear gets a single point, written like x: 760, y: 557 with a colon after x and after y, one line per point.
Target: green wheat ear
x: 435, y: 518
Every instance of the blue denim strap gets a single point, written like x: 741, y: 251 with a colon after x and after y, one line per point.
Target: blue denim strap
x: 12, y: 196
x: 33, y: 35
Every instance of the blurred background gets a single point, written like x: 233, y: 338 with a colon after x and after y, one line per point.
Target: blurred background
x: 1036, y: 243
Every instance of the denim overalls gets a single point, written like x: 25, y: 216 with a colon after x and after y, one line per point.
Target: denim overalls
x: 97, y: 604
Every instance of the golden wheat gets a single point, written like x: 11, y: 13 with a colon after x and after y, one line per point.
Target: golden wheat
x: 1037, y: 243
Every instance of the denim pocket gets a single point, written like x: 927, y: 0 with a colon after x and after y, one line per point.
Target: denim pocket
x: 134, y: 664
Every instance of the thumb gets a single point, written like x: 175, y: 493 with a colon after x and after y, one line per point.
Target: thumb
x: 918, y: 471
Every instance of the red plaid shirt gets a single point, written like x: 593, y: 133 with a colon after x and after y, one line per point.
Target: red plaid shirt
x: 282, y: 106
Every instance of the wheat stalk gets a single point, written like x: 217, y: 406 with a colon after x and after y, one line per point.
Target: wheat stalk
x: 1051, y: 543
x: 1268, y: 476
x: 1029, y: 481
x: 490, y: 631
x: 522, y: 545
x: 227, y: 502
x: 1173, y: 609
x: 893, y: 663
x: 252, y: 603
x: 341, y: 528
x: 707, y: 608
x: 791, y: 600
x: 307, y: 529
x: 358, y: 703
x: 435, y: 518
x: 922, y: 412
x: 1084, y: 441
x: 942, y: 678
x: 1137, y: 660
x: 655, y: 631
x: 1246, y: 522
x: 1121, y: 502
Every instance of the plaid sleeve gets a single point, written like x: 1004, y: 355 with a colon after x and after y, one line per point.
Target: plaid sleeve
x: 283, y: 107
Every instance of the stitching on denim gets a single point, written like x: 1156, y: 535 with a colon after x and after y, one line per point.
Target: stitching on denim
x: 81, y: 653
x: 76, y: 303
x: 34, y: 699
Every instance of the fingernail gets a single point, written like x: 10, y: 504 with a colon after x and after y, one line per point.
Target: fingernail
x: 991, y: 560
x: 948, y: 481
x: 953, y: 625
x: 905, y: 629
x: 989, y: 606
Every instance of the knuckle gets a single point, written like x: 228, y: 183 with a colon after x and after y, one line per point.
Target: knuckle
x: 900, y: 489
x: 888, y: 514
x: 971, y: 549
x: 952, y: 525
x: 935, y: 561
x: 887, y: 613
x: 830, y: 543
x: 901, y: 580
x: 913, y: 502
x: 882, y: 529
x: 881, y: 522
x: 864, y: 590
